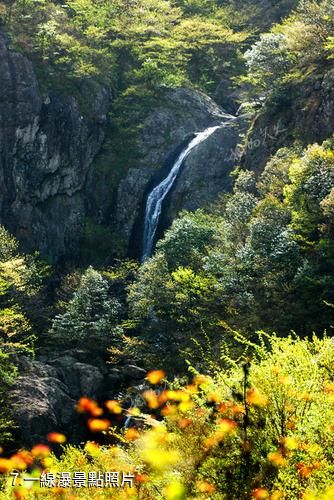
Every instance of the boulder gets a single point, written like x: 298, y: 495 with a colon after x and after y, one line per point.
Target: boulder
x: 44, y: 396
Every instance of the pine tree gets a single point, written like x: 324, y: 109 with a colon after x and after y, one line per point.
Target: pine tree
x: 91, y: 315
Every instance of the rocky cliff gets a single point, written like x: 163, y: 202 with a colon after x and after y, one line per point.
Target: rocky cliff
x: 45, y: 394
x: 47, y: 146
x: 301, y: 111
x: 164, y: 134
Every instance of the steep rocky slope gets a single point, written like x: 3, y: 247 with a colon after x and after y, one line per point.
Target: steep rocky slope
x: 205, y: 173
x: 47, y: 146
x: 302, y: 111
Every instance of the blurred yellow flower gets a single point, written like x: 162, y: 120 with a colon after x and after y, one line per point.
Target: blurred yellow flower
x: 277, y: 459
x: 260, y: 493
x: 113, y: 406
x: 5, y: 465
x: 185, y: 406
x: 92, y: 448
x: 290, y: 443
x: 202, y: 380
x: 152, y: 399
x: 175, y: 491
x: 256, y: 398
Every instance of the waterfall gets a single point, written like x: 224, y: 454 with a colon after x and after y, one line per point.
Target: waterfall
x: 159, y: 193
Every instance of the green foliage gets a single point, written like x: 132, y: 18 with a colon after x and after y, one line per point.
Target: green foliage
x: 91, y: 315
x: 21, y: 278
x: 259, y: 426
x: 99, y: 244
x: 268, y: 59
x: 149, y: 42
x: 312, y: 179
x: 8, y: 372
x: 263, y: 257
x: 186, y: 242
x: 294, y: 49
x: 8, y: 245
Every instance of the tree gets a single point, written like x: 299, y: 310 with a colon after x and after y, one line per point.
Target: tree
x: 91, y: 315
x: 187, y: 241
x: 269, y: 59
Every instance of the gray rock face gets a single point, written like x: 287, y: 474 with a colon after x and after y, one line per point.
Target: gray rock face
x: 206, y: 172
x: 304, y: 112
x: 182, y: 113
x: 44, y: 396
x: 46, y: 149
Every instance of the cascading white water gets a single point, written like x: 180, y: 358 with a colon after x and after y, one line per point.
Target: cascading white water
x: 159, y: 193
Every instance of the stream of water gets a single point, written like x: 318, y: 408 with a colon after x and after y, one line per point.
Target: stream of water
x: 159, y: 193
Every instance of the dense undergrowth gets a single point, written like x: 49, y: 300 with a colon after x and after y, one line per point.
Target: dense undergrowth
x: 261, y: 426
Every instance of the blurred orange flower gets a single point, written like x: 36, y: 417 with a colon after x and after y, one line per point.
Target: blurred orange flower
x: 260, y: 493
x: 56, y: 437
x: 40, y: 450
x: 169, y: 410
x: 155, y: 376
x: 98, y: 425
x: 132, y: 434
x: 184, y: 423
x: 305, y: 470
x: 142, y: 478
x: 18, y: 462
x: 226, y: 425
x: 205, y: 487
x: 114, y: 406
x: 86, y: 405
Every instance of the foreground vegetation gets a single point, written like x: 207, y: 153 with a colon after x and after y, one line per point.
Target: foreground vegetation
x: 260, y: 426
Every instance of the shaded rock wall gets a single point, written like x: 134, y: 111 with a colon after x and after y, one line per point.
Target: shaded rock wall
x: 47, y: 146
x: 205, y: 174
x: 302, y: 112
x: 45, y: 394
